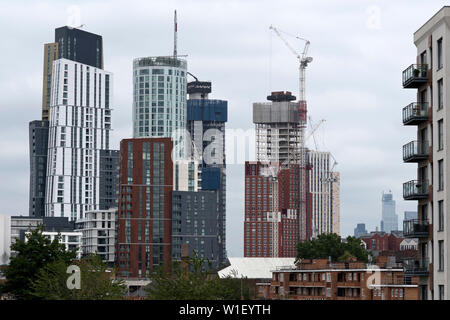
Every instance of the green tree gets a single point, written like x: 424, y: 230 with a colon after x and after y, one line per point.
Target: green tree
x: 193, y: 282
x: 95, y: 284
x: 331, y: 246
x: 31, y: 256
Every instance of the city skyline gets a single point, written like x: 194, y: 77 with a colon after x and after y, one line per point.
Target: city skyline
x: 350, y: 146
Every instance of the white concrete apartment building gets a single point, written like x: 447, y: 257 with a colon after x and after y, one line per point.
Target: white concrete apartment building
x: 5, y: 239
x: 71, y: 240
x: 325, y: 194
x: 430, y: 112
x: 98, y: 229
x: 80, y: 122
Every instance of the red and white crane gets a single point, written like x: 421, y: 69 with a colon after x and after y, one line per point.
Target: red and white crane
x: 303, y: 60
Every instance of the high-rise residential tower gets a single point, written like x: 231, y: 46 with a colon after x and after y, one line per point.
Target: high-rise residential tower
x: 72, y: 44
x: 277, y: 202
x: 66, y: 95
x: 428, y: 77
x: 206, y: 120
x: 389, y: 220
x: 277, y: 130
x: 325, y: 195
x: 144, y: 234
x: 80, y: 122
x: 271, y: 225
x: 159, y: 97
x: 50, y: 54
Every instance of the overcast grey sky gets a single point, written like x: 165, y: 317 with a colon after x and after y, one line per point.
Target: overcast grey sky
x: 359, y: 48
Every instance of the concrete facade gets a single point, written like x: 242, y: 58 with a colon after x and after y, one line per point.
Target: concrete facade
x: 430, y: 113
x: 80, y: 122
x: 325, y: 194
x: 99, y: 233
x: 5, y: 239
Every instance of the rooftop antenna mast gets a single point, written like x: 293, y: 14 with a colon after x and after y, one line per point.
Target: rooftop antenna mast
x: 175, y: 35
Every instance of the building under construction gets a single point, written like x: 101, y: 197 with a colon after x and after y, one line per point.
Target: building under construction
x: 279, y: 212
x: 276, y: 185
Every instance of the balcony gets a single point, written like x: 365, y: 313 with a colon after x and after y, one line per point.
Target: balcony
x: 415, y: 151
x: 415, y: 113
x: 416, y: 228
x: 415, y: 190
x: 415, y: 76
x: 416, y: 267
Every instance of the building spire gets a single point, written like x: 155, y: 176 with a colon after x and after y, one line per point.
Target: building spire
x: 175, y: 35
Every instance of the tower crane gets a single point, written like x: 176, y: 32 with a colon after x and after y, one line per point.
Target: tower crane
x: 304, y: 60
x: 313, y: 130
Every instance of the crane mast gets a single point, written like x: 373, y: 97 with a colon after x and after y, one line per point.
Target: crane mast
x: 303, y: 61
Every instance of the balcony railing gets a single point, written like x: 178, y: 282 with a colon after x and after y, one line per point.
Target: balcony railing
x: 415, y: 76
x: 416, y: 267
x: 415, y: 151
x: 416, y: 228
x: 415, y: 113
x: 415, y: 190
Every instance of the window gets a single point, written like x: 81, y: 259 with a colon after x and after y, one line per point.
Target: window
x: 441, y: 215
x: 441, y: 292
x: 441, y: 255
x: 439, y: 45
x: 441, y: 134
x: 440, y: 94
x: 441, y: 175
x: 423, y: 58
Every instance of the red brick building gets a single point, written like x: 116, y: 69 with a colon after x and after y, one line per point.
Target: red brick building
x: 268, y: 233
x: 381, y: 241
x: 145, y: 206
x: 320, y: 279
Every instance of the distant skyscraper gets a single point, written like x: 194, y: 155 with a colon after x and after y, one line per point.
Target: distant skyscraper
x: 360, y: 230
x: 410, y: 215
x: 80, y: 121
x: 389, y: 220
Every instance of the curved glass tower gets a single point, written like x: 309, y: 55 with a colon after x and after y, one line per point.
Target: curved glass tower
x: 159, y: 96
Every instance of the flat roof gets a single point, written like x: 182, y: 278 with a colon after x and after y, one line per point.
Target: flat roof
x: 254, y: 268
x: 438, y: 16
